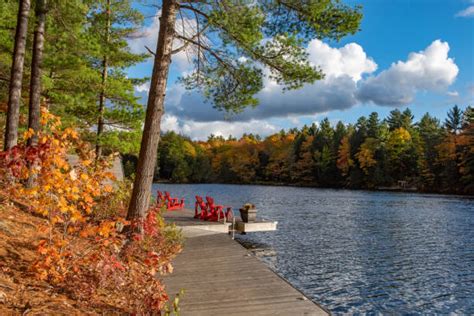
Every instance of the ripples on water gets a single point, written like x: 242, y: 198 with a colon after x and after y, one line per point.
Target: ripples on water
x: 365, y: 252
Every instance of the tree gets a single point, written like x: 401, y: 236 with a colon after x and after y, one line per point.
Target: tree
x: 35, y: 81
x: 230, y: 51
x: 111, y: 22
x: 304, y: 164
x: 344, y: 161
x: 366, y: 154
x: 401, y: 154
x: 467, y: 151
x: 14, y: 96
x: 431, y: 135
x: 8, y: 19
x: 373, y: 125
x: 453, y: 122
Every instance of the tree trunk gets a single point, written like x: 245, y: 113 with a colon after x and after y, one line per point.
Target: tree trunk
x: 35, y: 83
x: 14, y: 96
x: 151, y: 134
x: 100, y: 121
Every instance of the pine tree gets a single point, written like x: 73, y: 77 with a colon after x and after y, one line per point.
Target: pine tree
x: 35, y: 81
x: 14, y: 95
x: 229, y: 81
x: 118, y: 109
x: 453, y: 122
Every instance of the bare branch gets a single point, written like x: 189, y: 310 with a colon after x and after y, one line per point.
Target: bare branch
x: 188, y: 7
x: 149, y: 50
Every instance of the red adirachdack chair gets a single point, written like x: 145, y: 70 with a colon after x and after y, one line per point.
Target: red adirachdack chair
x: 169, y: 198
x: 160, y: 199
x: 175, y: 205
x: 170, y: 203
x: 200, y: 208
x: 216, y: 212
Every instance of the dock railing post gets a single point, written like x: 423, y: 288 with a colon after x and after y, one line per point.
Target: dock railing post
x: 233, y: 228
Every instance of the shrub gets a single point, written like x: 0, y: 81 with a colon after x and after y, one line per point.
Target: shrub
x: 85, y: 252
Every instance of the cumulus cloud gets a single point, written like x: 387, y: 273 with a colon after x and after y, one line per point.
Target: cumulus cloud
x: 344, y: 86
x: 343, y: 68
x: 350, y: 60
x: 466, y: 13
x: 428, y: 70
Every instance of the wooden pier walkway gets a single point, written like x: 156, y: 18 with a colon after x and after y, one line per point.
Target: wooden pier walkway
x: 220, y: 277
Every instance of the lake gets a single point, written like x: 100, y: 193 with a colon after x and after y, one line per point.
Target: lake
x: 360, y: 251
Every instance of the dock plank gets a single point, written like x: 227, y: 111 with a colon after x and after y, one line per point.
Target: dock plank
x: 220, y: 277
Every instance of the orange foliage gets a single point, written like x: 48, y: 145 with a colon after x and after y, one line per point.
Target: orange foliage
x: 344, y: 161
x: 85, y: 252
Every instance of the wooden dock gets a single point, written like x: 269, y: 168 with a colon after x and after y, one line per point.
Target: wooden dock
x: 220, y: 277
x: 185, y: 219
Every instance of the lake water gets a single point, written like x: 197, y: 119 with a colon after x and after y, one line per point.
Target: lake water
x: 359, y: 251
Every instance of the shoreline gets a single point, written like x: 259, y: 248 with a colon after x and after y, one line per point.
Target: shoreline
x: 294, y: 185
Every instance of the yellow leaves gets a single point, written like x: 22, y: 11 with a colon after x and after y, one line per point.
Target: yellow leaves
x: 28, y: 134
x: 63, y: 205
x: 69, y: 132
x: 106, y: 228
x: 56, y: 220
x: 366, y: 153
x: 88, y: 199
x: 399, y: 136
x: 84, y: 176
x: 77, y: 217
x: 108, y: 188
x: 60, y: 162
x: 189, y: 149
x: 86, y: 162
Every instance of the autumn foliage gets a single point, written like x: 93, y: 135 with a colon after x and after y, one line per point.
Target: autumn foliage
x: 372, y: 153
x: 84, y: 251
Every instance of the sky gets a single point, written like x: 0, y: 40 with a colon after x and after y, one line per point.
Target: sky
x: 408, y: 53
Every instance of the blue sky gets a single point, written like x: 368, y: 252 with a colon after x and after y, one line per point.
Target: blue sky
x: 409, y: 53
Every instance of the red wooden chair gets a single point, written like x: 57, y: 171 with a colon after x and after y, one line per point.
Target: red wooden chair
x: 200, y: 208
x: 171, y: 206
x: 160, y: 201
x: 170, y: 203
x: 216, y: 212
x: 160, y: 196
x: 169, y: 198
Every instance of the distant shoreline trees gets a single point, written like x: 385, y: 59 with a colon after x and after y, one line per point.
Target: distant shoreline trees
x: 370, y: 154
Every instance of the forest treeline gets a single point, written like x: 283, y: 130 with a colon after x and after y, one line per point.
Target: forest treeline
x: 430, y: 155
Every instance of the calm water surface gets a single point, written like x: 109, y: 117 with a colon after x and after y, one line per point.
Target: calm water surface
x: 364, y: 252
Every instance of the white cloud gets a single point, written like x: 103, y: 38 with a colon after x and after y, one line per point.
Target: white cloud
x: 452, y: 93
x: 343, y: 68
x: 201, y: 130
x: 428, y: 70
x: 144, y: 87
x: 348, y: 60
x: 466, y: 13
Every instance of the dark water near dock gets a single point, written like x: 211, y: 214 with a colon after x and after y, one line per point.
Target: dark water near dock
x: 359, y: 251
